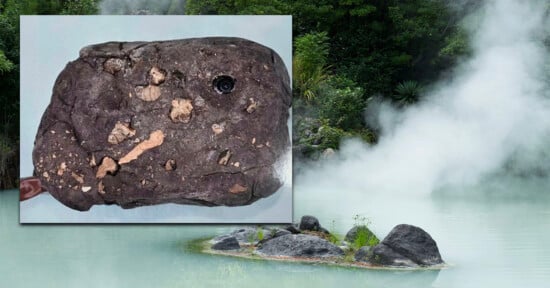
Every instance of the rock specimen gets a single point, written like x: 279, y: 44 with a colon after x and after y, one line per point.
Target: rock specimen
x: 229, y: 243
x: 385, y: 256
x: 406, y: 245
x: 309, y: 223
x: 251, y: 236
x: 362, y: 254
x: 299, y: 245
x: 194, y: 121
x: 246, y: 235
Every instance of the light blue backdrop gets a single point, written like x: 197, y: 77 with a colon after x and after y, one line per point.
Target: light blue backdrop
x: 48, y: 43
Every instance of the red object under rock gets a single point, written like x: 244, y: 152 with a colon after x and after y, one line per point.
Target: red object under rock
x: 29, y: 187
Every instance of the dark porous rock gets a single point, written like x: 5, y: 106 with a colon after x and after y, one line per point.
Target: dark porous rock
x: 293, y: 229
x: 273, y: 233
x: 196, y: 121
x: 361, y: 229
x: 386, y: 256
x: 279, y: 232
x: 246, y: 235
x: 414, y: 243
x: 229, y: 243
x: 309, y: 223
x: 362, y: 254
x: 299, y: 245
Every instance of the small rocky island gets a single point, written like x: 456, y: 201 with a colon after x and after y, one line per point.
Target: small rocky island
x: 406, y: 246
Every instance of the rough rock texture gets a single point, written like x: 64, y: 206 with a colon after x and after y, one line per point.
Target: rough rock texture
x: 293, y: 229
x: 413, y: 243
x: 352, y: 233
x: 386, y: 256
x: 406, y: 245
x: 247, y: 235
x: 309, y: 223
x: 196, y: 121
x: 300, y: 245
x: 229, y: 243
x: 279, y: 232
x: 362, y: 254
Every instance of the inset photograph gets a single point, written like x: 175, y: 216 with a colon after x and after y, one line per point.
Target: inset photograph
x: 177, y: 119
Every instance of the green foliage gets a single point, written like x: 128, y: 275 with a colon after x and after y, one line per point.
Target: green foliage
x: 80, y: 7
x: 251, y: 237
x: 309, y: 64
x: 456, y: 45
x: 342, y: 107
x: 260, y: 234
x: 364, y: 236
x: 5, y: 64
x: 330, y: 137
x: 333, y: 237
x: 237, y: 7
x: 407, y: 92
x: 139, y: 7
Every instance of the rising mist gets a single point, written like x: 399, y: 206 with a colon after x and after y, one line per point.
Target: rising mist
x: 491, y: 117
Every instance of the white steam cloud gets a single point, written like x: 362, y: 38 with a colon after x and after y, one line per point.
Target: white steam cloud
x: 492, y: 116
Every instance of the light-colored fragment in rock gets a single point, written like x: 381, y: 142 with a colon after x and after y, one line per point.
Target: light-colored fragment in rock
x: 217, y: 128
x: 107, y: 165
x: 237, y: 188
x: 100, y: 187
x: 79, y: 178
x: 92, y: 161
x: 157, y: 76
x: 62, y: 168
x: 224, y: 157
x: 86, y: 188
x: 181, y: 110
x: 252, y: 105
x: 120, y: 132
x: 113, y: 65
x: 155, y: 139
x: 170, y: 165
x: 149, y: 93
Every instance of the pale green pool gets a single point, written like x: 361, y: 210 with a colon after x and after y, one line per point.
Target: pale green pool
x: 491, y: 239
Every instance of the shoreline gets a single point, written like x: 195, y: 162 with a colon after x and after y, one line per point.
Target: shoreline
x: 203, y: 246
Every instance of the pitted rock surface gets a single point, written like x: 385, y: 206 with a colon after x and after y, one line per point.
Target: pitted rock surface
x: 300, y: 245
x: 195, y: 121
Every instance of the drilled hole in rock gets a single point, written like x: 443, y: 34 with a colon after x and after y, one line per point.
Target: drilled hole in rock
x: 224, y: 84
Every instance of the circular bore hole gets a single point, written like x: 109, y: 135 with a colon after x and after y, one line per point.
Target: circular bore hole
x: 224, y: 84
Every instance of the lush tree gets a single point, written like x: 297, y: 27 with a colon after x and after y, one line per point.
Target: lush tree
x: 237, y: 7
x: 407, y: 93
x: 309, y: 64
x: 5, y: 64
x: 80, y: 7
x: 341, y: 107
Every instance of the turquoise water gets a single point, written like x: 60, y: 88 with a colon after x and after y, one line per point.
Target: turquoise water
x: 491, y: 238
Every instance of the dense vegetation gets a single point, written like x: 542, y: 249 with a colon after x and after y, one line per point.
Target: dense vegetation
x: 345, y: 53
